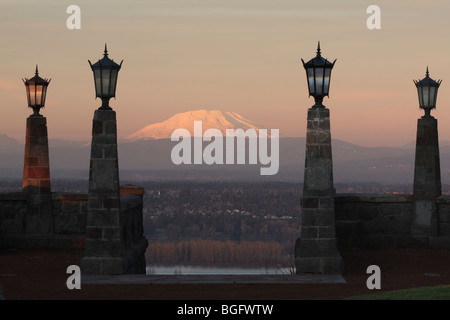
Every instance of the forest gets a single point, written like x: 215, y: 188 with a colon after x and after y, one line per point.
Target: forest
x: 221, y: 223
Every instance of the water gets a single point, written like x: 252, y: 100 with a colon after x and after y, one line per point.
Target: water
x: 197, y: 270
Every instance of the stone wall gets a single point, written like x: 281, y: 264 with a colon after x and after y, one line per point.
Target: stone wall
x: 13, y: 214
x: 69, y: 214
x: 134, y: 242
x: 18, y: 226
x: 372, y: 221
x: 444, y: 216
x: 362, y: 221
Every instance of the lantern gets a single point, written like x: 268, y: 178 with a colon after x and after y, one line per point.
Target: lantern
x: 36, y: 92
x: 427, y: 90
x: 105, y: 79
x: 318, y: 73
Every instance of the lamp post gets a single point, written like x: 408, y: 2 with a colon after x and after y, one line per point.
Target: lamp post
x: 427, y: 172
x: 427, y: 90
x: 318, y: 74
x: 36, y: 92
x: 316, y: 250
x: 36, y: 169
x: 105, y: 79
x: 104, y: 233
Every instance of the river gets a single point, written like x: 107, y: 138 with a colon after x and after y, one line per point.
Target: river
x: 192, y: 270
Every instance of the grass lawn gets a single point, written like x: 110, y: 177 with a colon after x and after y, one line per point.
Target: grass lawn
x: 424, y: 293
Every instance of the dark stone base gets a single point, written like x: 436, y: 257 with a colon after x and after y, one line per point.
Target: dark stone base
x: 132, y: 262
x: 135, y: 258
x: 320, y: 265
x: 424, y: 231
x: 2, y: 294
x: 389, y: 241
x: 348, y: 233
x: 440, y: 242
x: 318, y: 256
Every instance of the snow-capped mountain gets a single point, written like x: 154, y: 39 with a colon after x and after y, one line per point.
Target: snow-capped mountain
x: 211, y: 119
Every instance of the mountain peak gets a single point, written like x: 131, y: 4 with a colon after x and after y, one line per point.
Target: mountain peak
x: 7, y: 141
x: 211, y: 119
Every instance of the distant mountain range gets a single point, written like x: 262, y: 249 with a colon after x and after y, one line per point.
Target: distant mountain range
x: 151, y: 159
x: 146, y: 155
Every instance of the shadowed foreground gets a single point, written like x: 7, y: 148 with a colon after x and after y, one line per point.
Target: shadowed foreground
x: 41, y: 274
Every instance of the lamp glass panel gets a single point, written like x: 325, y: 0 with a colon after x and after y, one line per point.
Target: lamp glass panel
x: 432, y: 96
x: 39, y: 94
x: 105, y: 81
x: 319, y: 81
x: 326, y: 86
x: 97, y: 79
x: 32, y: 94
x: 44, y: 94
x: 426, y: 96
x: 419, y: 91
x: 112, y: 89
x: 310, y: 72
x: 28, y: 93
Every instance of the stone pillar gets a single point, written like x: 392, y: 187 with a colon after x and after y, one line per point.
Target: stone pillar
x: 36, y: 177
x: 427, y: 179
x: 104, y: 247
x: 315, y: 250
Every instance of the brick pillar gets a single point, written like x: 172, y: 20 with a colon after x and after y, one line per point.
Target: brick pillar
x: 427, y: 179
x: 36, y: 177
x: 315, y: 250
x: 104, y: 248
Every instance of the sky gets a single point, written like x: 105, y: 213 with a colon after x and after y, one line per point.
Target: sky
x: 242, y: 56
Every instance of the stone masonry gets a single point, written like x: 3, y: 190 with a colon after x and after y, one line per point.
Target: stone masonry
x: 315, y: 250
x: 103, y: 237
x: 114, y: 238
x: 427, y: 179
x: 36, y: 176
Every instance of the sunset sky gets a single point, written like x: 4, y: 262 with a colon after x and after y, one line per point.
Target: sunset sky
x: 232, y: 55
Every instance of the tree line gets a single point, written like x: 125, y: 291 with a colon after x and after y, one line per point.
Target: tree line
x: 221, y: 226
x: 214, y: 252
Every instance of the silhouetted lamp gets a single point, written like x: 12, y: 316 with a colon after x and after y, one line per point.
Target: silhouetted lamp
x: 36, y: 92
x: 318, y: 74
x: 427, y: 89
x: 105, y: 78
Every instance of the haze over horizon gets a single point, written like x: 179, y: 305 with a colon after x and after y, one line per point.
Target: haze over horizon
x: 239, y: 56
x: 211, y: 119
